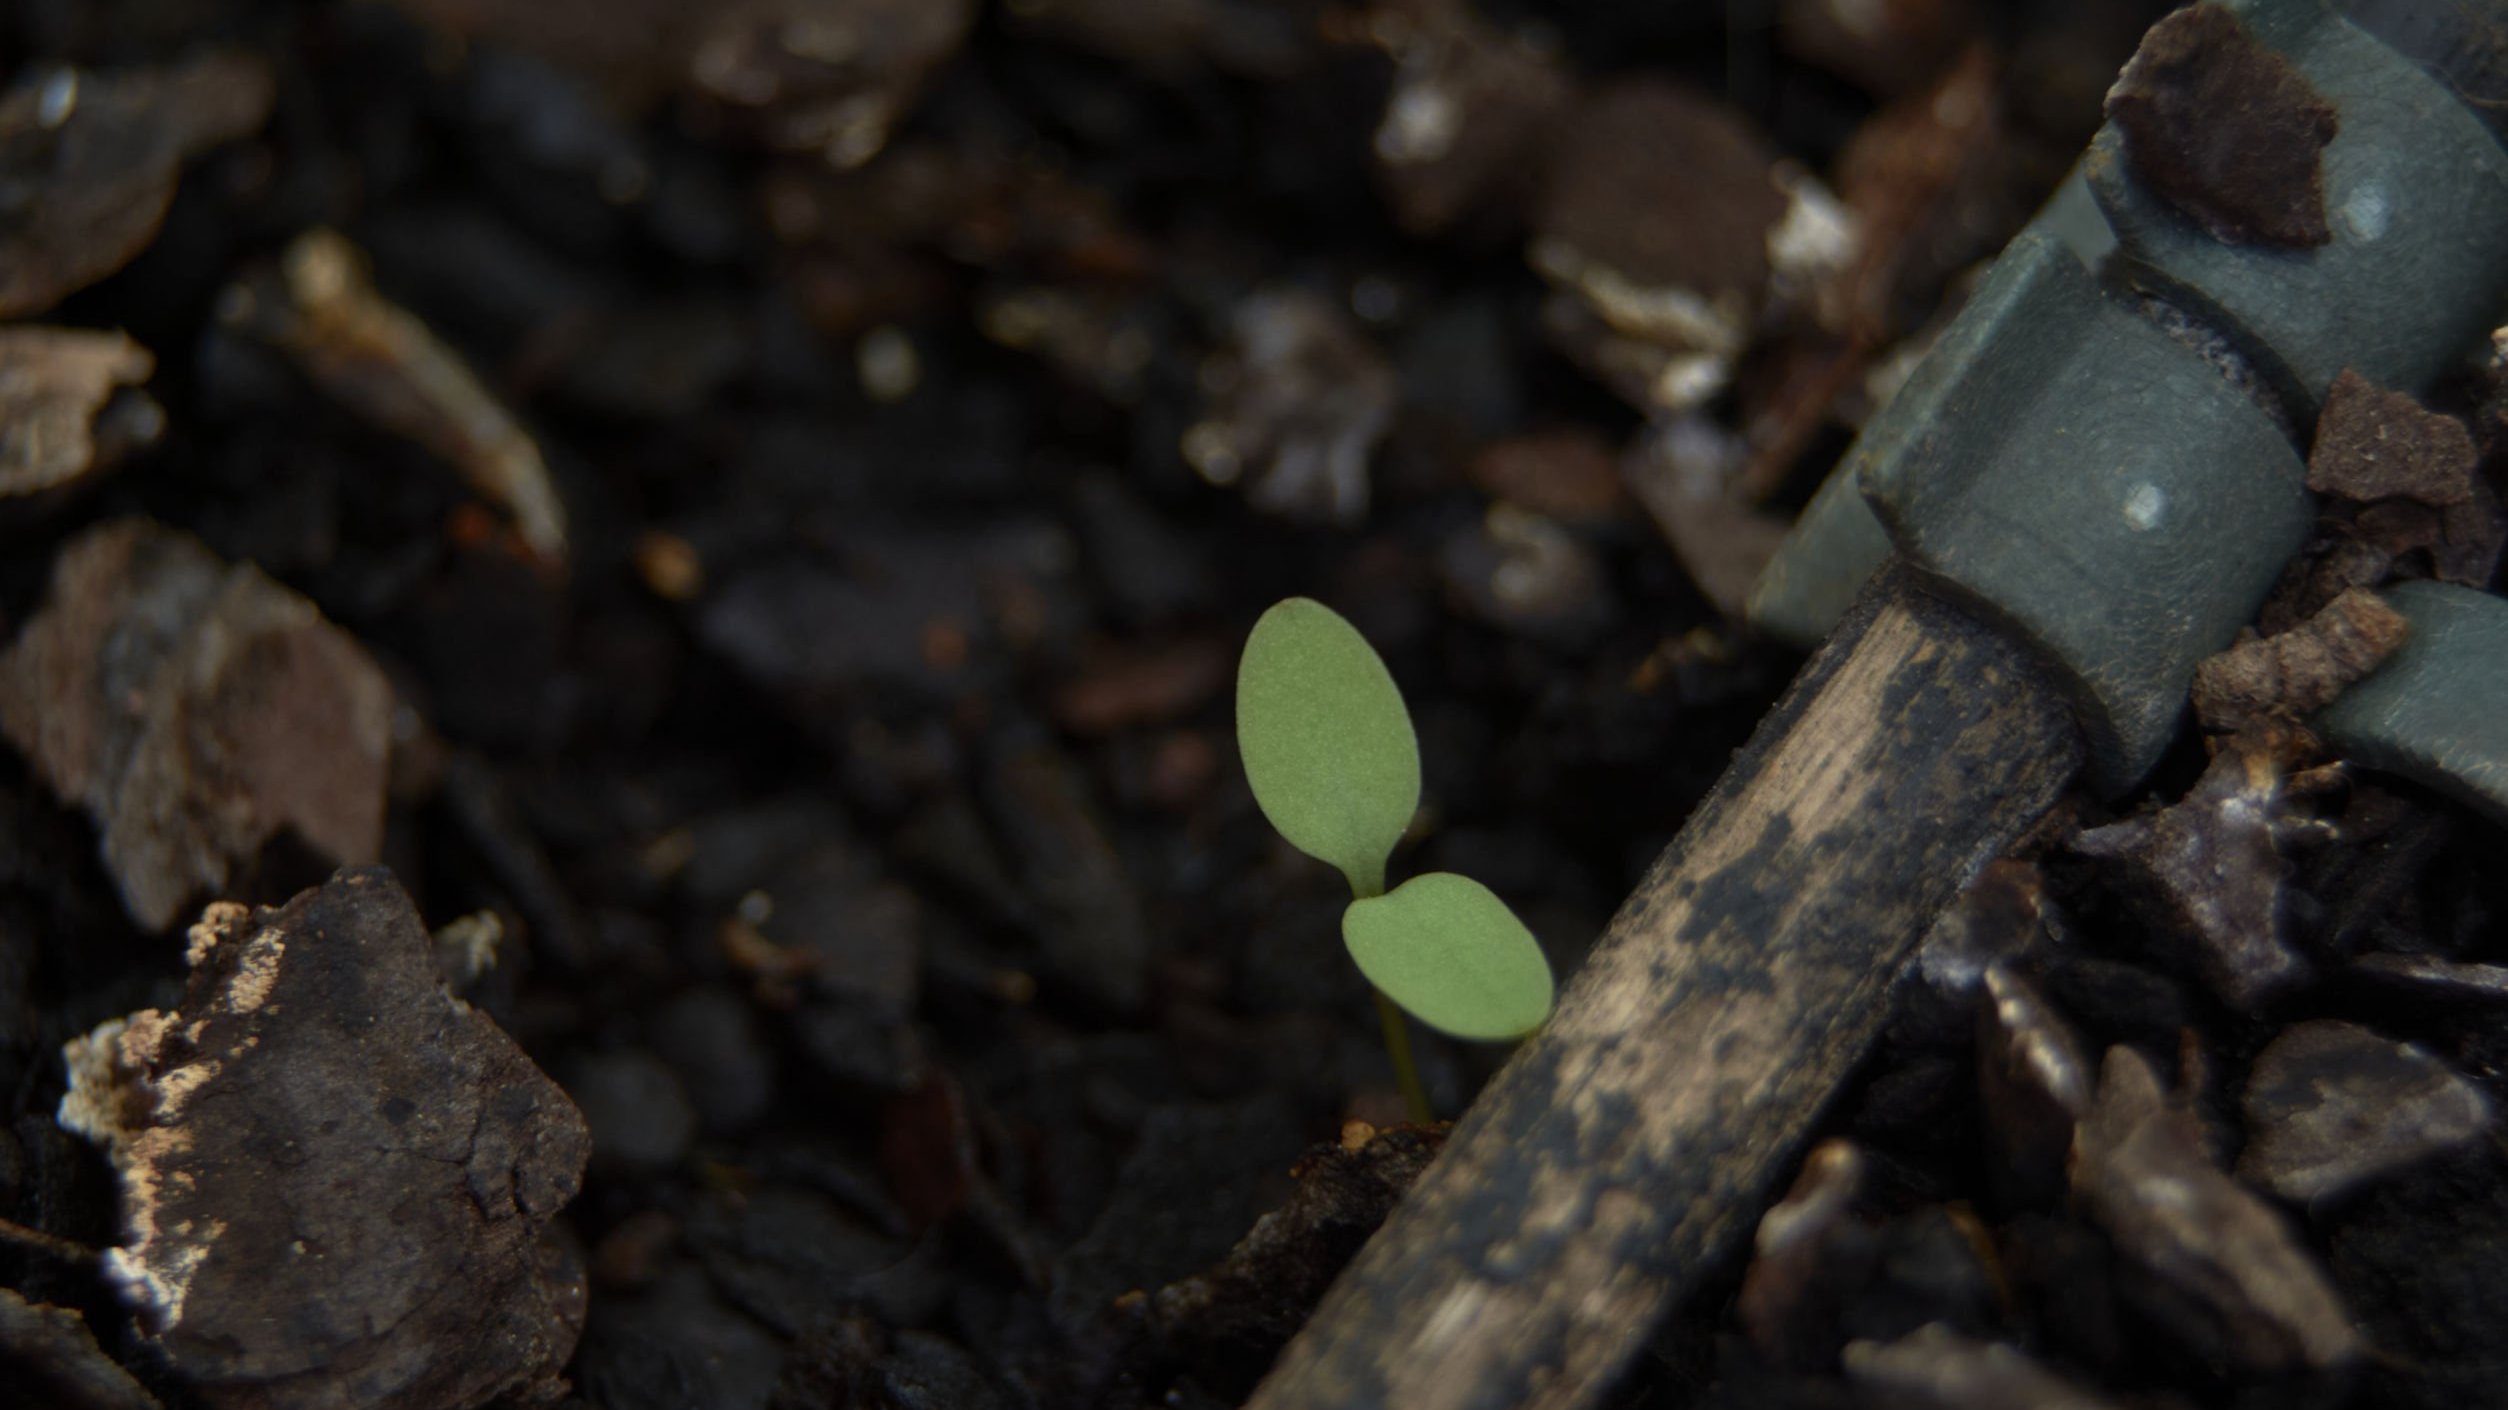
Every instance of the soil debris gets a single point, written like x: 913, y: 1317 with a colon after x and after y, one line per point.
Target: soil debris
x: 2404, y: 497
x: 2226, y: 130
x: 1471, y: 112
x: 1664, y: 189
x: 1568, y: 474
x: 855, y: 1363
x: 70, y: 405
x: 868, y: 613
x: 1886, y: 49
x: 1928, y: 195
x: 2282, y: 679
x: 1122, y: 688
x: 2406, y: 482
x: 48, y: 1355
x: 2332, y: 1106
x: 1228, y: 1321
x: 2220, y: 1270
x: 1686, y: 472
x: 1300, y: 399
x: 1936, y: 1368
x: 832, y: 77
x: 2209, y: 872
x: 2373, y: 444
x: 1177, y: 40
x: 1812, y: 1248
x: 1658, y: 228
x: 195, y: 708
x: 320, y: 1105
x: 780, y: 1250
x: 380, y: 361
x: 676, y: 1344
x: 1526, y: 574
x: 88, y: 163
x: 1186, y: 1195
x: 2415, y: 1255
x: 934, y: 393
x: 2035, y: 1082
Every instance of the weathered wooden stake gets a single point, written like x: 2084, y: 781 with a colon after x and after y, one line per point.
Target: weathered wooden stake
x: 1634, y: 1142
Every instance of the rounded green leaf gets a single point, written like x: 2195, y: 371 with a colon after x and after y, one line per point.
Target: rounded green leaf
x: 1327, y: 743
x: 1448, y: 950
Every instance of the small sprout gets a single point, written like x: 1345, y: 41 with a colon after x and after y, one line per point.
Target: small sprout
x: 1448, y: 950
x: 1327, y: 743
x: 1334, y: 764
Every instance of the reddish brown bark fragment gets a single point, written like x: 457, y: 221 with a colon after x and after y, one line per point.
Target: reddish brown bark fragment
x: 2226, y: 130
x: 194, y: 708
x: 2290, y: 676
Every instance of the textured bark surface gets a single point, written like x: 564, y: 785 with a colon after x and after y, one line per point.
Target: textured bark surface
x: 337, y: 1178
x: 1636, y: 1140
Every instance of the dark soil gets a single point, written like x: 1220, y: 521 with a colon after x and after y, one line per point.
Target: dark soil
x: 781, y: 516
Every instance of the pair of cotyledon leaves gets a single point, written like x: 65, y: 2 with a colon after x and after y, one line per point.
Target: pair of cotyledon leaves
x: 1334, y: 763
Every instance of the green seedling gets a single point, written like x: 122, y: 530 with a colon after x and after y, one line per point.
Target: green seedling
x: 1334, y: 762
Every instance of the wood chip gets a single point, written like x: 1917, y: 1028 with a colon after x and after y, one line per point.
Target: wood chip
x: 194, y: 708
x: 2226, y: 130
x: 385, y: 365
x: 2223, y: 1270
x: 336, y: 1177
x: 2332, y: 1106
x: 67, y: 405
x: 89, y: 161
x: 2374, y: 444
x: 2206, y: 872
x: 2287, y: 677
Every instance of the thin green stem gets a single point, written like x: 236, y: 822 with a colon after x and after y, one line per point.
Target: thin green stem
x: 1405, y: 1071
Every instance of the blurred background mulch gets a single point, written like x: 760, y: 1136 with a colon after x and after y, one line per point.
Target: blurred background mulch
x: 748, y: 510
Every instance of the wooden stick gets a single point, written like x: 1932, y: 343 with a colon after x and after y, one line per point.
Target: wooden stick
x: 1636, y: 1140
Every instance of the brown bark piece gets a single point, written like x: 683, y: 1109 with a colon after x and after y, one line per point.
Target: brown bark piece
x: 336, y: 1177
x: 2225, y: 130
x: 2298, y: 672
x: 2213, y: 1253
x: 2373, y: 444
x: 1664, y: 187
x: 1921, y: 178
x: 380, y: 361
x: 1568, y: 474
x: 67, y: 405
x: 1469, y: 114
x: 91, y: 161
x: 2405, y: 482
x: 1126, y: 687
x: 1813, y: 1250
x: 2206, y: 870
x: 195, y: 708
x: 1683, y: 474
x: 2404, y: 498
x: 2332, y: 1106
x: 2034, y: 1083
